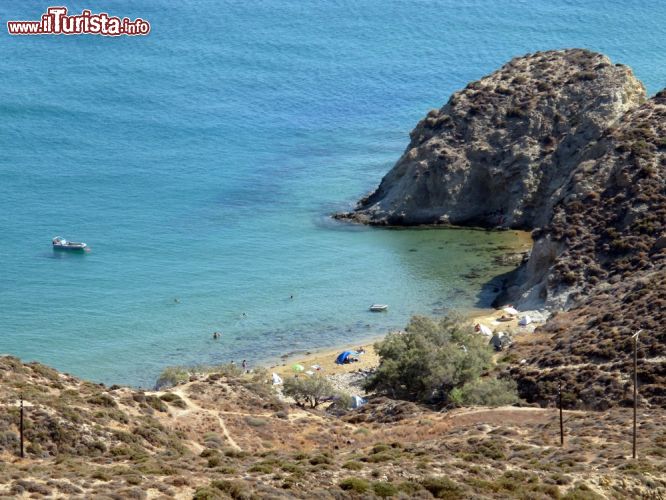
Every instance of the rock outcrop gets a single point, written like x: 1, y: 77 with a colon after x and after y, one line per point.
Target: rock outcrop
x: 566, y: 144
x: 500, y: 151
x: 610, y: 222
x: 603, y: 257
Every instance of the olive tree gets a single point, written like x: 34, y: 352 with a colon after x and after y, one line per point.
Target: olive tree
x: 429, y: 359
x: 308, y: 390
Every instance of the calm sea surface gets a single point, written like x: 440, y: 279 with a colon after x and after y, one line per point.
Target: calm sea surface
x: 200, y: 164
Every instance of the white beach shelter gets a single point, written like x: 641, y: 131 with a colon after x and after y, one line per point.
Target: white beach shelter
x: 510, y: 310
x: 277, y: 380
x: 525, y: 320
x: 485, y: 330
x: 358, y: 401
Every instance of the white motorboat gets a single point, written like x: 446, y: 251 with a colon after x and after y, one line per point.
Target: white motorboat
x: 60, y: 243
x: 379, y: 307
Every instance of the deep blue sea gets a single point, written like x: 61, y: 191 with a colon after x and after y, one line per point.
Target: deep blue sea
x: 200, y: 163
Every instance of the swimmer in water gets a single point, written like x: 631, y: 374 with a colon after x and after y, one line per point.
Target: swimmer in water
x: 216, y: 335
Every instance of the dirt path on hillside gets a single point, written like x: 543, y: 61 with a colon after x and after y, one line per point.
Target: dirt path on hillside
x: 192, y: 406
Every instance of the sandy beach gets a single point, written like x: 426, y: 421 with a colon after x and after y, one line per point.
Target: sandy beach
x: 325, y: 359
x: 348, y: 377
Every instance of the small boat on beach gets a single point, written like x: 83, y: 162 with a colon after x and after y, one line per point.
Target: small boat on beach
x: 60, y: 243
x: 379, y: 307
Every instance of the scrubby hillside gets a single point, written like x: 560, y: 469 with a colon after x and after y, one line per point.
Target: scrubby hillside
x: 500, y: 150
x: 611, y: 223
x: 590, y: 349
x: 220, y: 436
x: 604, y: 256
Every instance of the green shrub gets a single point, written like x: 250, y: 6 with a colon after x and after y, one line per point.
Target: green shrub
x: 409, y: 487
x: 308, y: 390
x: 495, y: 450
x: 207, y: 493
x: 379, y: 447
x: 441, y: 487
x: 585, y: 75
x: 356, y: 484
x: 255, y: 421
x: 263, y: 468
x: 227, y: 370
x: 320, y: 459
x: 101, y: 475
x: 170, y: 376
x: 581, y: 492
x: 156, y: 403
x: 209, y: 453
x: 353, y: 465
x: 102, y: 400
x: 173, y: 399
x: 429, y: 360
x: 234, y: 489
x: 379, y: 457
x: 342, y: 401
x: 384, y: 489
x: 486, y: 392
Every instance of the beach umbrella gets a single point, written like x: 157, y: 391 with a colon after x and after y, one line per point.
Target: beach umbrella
x: 297, y: 367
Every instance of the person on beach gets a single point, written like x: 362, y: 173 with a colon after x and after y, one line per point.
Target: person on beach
x: 244, y: 365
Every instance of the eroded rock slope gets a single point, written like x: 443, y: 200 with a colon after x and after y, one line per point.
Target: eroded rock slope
x: 500, y: 150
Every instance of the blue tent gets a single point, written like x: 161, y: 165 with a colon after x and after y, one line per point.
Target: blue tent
x: 342, y: 357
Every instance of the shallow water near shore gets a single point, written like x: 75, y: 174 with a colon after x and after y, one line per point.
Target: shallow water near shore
x: 200, y: 164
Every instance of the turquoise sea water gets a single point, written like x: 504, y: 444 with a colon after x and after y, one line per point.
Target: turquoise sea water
x: 200, y: 163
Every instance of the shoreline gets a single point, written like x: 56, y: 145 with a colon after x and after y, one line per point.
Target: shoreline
x: 347, y: 377
x: 324, y: 357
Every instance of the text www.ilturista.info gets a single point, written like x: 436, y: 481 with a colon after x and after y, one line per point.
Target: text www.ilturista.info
x: 56, y: 22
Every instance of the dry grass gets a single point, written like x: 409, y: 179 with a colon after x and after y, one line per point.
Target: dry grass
x: 387, y: 448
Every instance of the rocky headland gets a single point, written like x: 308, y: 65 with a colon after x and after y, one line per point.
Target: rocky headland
x: 501, y: 150
x: 566, y: 144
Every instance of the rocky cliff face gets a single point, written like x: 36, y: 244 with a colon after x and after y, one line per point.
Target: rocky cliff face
x: 610, y: 222
x: 603, y: 257
x: 500, y: 151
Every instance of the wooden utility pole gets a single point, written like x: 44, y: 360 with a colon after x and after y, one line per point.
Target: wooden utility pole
x: 635, y: 337
x: 559, y: 398
x: 21, y: 426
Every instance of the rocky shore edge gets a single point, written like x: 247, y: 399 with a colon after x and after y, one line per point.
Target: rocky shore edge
x: 566, y: 144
